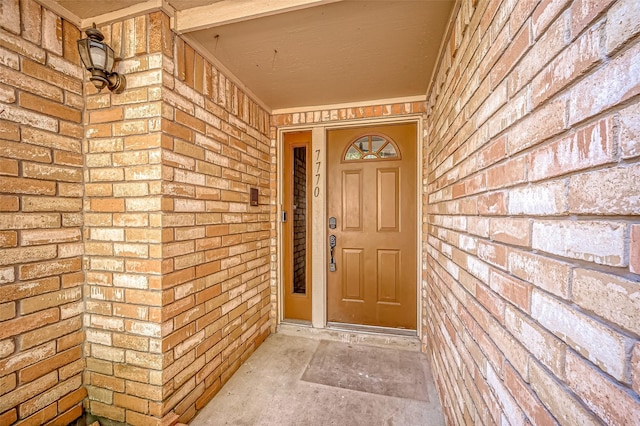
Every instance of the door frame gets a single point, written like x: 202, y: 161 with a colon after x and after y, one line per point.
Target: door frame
x: 319, y: 257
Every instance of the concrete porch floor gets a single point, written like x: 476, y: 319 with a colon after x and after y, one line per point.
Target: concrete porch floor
x: 302, y: 377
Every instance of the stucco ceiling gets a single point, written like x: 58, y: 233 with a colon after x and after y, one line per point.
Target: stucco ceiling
x: 304, y: 53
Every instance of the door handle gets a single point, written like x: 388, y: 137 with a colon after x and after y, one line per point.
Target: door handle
x: 332, y: 246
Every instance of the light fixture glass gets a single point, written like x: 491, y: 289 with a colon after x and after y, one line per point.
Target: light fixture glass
x: 98, y: 58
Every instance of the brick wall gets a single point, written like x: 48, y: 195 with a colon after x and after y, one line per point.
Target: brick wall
x: 216, y: 246
x: 531, y: 256
x: 41, y: 190
x: 177, y: 261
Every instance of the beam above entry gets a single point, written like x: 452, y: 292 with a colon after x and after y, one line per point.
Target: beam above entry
x: 231, y: 11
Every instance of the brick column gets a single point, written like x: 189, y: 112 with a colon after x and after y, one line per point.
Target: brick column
x: 177, y: 261
x: 123, y: 231
x: 216, y: 247
x: 41, y: 188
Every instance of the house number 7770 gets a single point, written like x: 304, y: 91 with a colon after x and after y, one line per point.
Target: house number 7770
x: 316, y: 188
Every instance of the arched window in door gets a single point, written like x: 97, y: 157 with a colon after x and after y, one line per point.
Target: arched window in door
x: 372, y: 147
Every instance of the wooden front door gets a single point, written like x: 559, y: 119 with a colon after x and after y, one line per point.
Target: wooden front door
x: 371, y: 193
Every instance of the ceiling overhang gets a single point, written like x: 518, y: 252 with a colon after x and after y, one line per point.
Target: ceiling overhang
x: 301, y: 54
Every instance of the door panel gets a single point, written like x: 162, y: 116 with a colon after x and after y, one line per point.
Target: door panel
x: 388, y: 275
x: 353, y: 275
x: 388, y: 200
x: 371, y: 190
x: 352, y: 200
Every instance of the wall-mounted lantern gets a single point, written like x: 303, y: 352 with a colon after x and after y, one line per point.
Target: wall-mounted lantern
x: 98, y: 58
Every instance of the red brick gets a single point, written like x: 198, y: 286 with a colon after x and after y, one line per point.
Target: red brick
x: 131, y: 372
x: 43, y: 367
x: 44, y: 106
x: 622, y: 24
x: 634, y: 250
x: 51, y: 32
x: 475, y: 184
x: 492, y: 153
x: 526, y: 399
x: 498, y: 46
x: 599, y: 242
x: 107, y: 205
x: 68, y: 158
x: 129, y: 402
x: 45, y: 269
x: 32, y: 85
x: 492, y: 302
x: 49, y: 140
x: 543, y: 123
x: 9, y: 417
x: 629, y: 129
x: 106, y: 116
x: 511, y: 411
x: 69, y: 401
x: 52, y: 204
x: 144, y: 391
x: 8, y: 167
x: 589, y: 146
x: 70, y: 35
x: 492, y: 101
x: 606, y: 191
x: 635, y: 368
x: 513, y: 290
x: 545, y: 347
x: 8, y: 239
x: 24, y: 393
x: 542, y: 51
x: 40, y: 417
x: 509, y: 173
x: 68, y: 417
x: 107, y: 382
x: 511, y: 231
x: 608, y: 400
x: 50, y: 332
x: 141, y: 35
x: 605, y: 87
x: 517, y: 48
x: 545, y: 13
x: 49, y: 300
x: 106, y: 410
x: 599, y: 343
x: 7, y: 383
x: 492, y: 204
x: 10, y: 16
x: 608, y: 296
x: 558, y: 400
x: 23, y: 47
x: 544, y: 199
x: 545, y: 273
x: 27, y: 186
x: 155, y: 32
x: 583, y: 12
x: 8, y: 132
x: 495, y: 254
x: 51, y: 172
